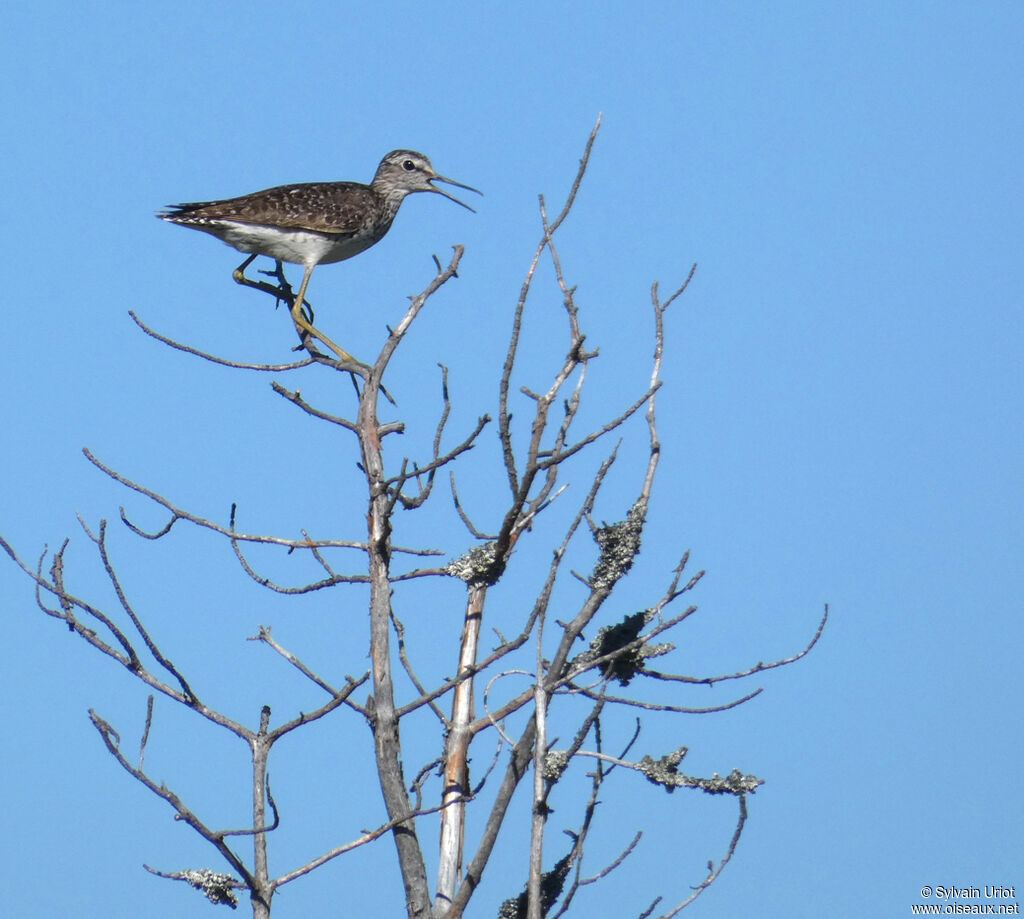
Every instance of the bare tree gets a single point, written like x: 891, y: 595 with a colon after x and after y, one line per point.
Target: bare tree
x: 586, y: 684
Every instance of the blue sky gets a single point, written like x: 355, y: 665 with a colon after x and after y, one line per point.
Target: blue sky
x: 841, y: 414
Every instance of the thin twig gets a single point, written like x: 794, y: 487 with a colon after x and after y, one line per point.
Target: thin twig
x: 759, y: 667
x: 296, y: 399
x: 178, y: 346
x: 715, y: 871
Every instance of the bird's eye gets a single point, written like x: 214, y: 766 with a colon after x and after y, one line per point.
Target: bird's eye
x: 408, y: 165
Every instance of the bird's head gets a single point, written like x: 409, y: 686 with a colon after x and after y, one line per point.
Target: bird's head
x: 403, y: 172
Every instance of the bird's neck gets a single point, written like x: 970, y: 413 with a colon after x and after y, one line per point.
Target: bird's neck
x: 392, y: 199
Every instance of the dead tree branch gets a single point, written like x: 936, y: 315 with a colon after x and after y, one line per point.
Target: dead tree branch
x: 562, y: 638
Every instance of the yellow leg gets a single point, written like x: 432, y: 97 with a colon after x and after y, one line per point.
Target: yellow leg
x: 239, y: 273
x: 303, y: 324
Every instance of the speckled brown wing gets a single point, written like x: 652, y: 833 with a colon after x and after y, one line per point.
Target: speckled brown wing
x: 324, y: 207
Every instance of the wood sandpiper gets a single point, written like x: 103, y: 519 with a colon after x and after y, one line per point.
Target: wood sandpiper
x: 316, y: 222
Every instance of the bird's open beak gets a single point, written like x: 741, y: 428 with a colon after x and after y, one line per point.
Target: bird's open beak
x: 441, y: 191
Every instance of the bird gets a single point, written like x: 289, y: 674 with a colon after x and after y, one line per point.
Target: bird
x: 315, y: 223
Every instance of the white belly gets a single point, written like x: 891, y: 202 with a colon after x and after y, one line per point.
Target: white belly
x: 301, y: 247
